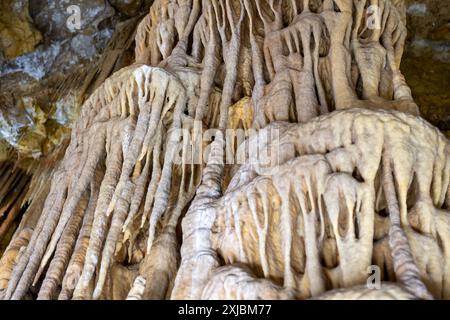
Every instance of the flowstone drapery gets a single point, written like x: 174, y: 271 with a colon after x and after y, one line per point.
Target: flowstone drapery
x: 338, y: 172
x: 319, y: 221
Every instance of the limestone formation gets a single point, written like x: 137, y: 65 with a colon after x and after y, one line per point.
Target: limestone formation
x: 154, y: 199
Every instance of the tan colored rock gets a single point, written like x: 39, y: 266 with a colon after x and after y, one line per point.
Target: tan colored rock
x: 303, y: 220
x: 11, y: 256
x: 338, y: 171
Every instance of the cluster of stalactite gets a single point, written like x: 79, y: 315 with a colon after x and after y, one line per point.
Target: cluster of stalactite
x: 14, y: 183
x: 322, y: 204
x: 122, y: 219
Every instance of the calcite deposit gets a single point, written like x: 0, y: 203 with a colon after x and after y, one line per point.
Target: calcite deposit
x: 156, y: 197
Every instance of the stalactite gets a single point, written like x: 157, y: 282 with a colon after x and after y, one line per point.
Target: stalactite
x: 136, y: 178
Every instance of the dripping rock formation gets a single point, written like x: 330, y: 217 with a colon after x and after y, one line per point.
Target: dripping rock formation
x: 266, y: 149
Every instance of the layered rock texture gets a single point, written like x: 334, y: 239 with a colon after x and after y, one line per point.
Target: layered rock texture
x: 252, y: 150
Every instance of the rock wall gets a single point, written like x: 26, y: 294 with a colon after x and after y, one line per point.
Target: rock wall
x: 49, y: 51
x: 426, y: 62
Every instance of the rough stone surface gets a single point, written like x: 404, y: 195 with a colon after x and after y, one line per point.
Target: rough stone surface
x: 44, y: 76
x: 426, y: 62
x: 18, y: 35
x: 336, y: 171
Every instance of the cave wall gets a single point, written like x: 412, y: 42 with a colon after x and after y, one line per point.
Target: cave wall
x: 426, y: 62
x: 47, y: 61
